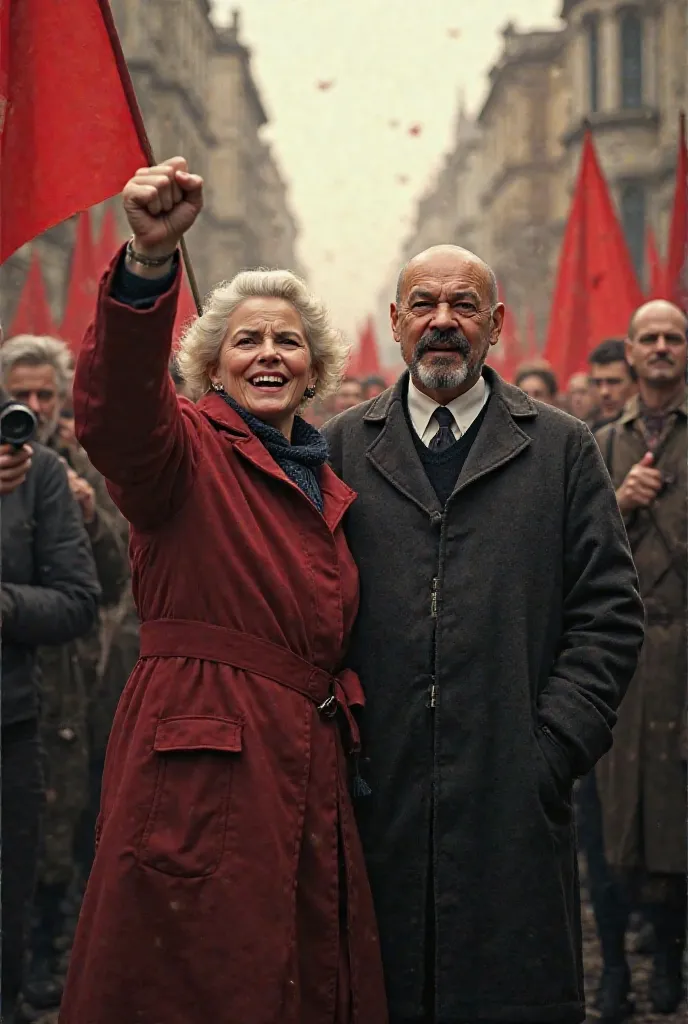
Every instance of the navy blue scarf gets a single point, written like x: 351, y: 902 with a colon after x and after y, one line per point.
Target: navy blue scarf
x: 301, y: 459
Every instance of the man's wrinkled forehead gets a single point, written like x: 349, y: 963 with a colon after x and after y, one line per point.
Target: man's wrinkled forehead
x: 659, y: 322
x: 444, y: 276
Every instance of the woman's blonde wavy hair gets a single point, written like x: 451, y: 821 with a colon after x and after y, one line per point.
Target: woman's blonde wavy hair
x: 203, y: 338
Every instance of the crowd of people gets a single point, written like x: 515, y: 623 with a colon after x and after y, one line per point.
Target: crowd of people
x: 358, y: 686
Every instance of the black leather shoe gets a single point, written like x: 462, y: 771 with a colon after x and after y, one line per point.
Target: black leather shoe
x: 666, y: 983
x: 613, y: 1000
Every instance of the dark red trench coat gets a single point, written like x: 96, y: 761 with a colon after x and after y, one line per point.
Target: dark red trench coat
x: 214, y: 895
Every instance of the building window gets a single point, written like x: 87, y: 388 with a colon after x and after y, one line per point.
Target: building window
x: 631, y: 37
x: 633, y: 220
x: 593, y: 33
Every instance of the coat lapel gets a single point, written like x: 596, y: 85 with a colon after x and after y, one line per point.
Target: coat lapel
x: 393, y: 453
x: 337, y: 496
x: 500, y: 438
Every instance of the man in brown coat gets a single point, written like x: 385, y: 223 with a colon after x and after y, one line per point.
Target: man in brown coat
x: 642, y: 781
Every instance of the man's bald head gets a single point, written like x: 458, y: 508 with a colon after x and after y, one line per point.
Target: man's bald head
x: 447, y: 253
x: 655, y: 307
x: 657, y: 347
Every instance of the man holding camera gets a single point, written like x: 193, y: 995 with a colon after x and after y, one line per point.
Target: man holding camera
x: 642, y: 781
x: 37, y: 371
x: 49, y: 595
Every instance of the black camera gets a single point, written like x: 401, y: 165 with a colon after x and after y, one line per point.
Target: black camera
x: 17, y: 424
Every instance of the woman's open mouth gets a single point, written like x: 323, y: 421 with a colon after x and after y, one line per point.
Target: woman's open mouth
x: 268, y: 381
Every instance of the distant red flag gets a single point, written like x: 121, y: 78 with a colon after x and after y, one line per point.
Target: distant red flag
x: 677, y: 252
x: 657, y: 286
x: 505, y: 356
x: 70, y: 137
x: 596, y: 290
x: 109, y: 241
x: 33, y: 311
x: 368, y: 358
x: 532, y: 347
x: 83, y: 286
x: 186, y: 312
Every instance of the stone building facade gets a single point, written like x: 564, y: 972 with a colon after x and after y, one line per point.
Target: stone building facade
x: 198, y: 98
x: 619, y: 66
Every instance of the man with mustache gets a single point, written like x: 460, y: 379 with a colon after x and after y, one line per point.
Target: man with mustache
x: 499, y: 625
x: 642, y: 782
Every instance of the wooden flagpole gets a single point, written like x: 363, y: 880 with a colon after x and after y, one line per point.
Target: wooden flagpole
x: 141, y: 132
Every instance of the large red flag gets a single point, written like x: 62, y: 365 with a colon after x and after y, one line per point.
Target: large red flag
x: 70, y: 135
x: 33, y: 315
x: 657, y: 286
x: 83, y: 286
x: 597, y: 289
x: 677, y: 254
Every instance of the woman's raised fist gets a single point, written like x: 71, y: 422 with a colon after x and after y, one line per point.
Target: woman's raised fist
x: 161, y: 204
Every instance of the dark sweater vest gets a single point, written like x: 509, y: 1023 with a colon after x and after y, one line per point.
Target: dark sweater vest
x: 443, y: 468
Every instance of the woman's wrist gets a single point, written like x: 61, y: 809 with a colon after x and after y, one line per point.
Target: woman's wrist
x: 146, y: 262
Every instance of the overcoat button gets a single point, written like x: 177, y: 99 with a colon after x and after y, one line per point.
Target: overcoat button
x: 436, y: 518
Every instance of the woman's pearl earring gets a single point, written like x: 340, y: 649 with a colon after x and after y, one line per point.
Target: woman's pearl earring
x: 217, y: 386
x: 310, y: 391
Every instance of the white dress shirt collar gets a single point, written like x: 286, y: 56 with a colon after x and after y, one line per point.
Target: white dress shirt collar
x: 464, y: 409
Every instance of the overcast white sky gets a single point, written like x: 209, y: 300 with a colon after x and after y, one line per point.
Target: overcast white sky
x: 399, y: 61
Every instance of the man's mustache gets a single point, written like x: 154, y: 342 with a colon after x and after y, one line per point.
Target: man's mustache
x: 445, y: 341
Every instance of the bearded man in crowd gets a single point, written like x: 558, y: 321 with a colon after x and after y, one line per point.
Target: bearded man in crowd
x: 499, y: 626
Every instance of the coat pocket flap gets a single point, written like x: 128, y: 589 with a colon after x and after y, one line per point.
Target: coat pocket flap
x: 198, y: 732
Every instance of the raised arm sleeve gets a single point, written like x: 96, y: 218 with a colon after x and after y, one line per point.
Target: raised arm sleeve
x: 127, y: 414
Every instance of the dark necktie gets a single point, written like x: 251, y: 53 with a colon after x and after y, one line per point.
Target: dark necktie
x: 444, y: 437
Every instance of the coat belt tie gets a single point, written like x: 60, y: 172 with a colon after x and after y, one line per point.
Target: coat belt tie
x: 183, y: 638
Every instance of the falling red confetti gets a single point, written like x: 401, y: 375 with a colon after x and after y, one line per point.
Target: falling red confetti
x: 324, y: 86
x: 415, y: 129
x: 453, y: 33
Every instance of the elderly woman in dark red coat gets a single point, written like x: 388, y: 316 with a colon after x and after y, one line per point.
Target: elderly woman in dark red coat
x: 228, y: 884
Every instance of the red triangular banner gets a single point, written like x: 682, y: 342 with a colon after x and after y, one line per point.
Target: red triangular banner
x: 657, y: 286
x: 33, y: 314
x: 83, y: 286
x: 596, y: 290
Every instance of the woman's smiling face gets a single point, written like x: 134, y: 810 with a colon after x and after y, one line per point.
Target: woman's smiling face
x: 265, y: 362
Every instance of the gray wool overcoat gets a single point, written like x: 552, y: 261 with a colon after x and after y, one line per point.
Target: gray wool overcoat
x: 495, y: 640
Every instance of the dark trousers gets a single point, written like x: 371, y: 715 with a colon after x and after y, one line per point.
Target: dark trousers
x: 22, y: 800
x: 609, y: 898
